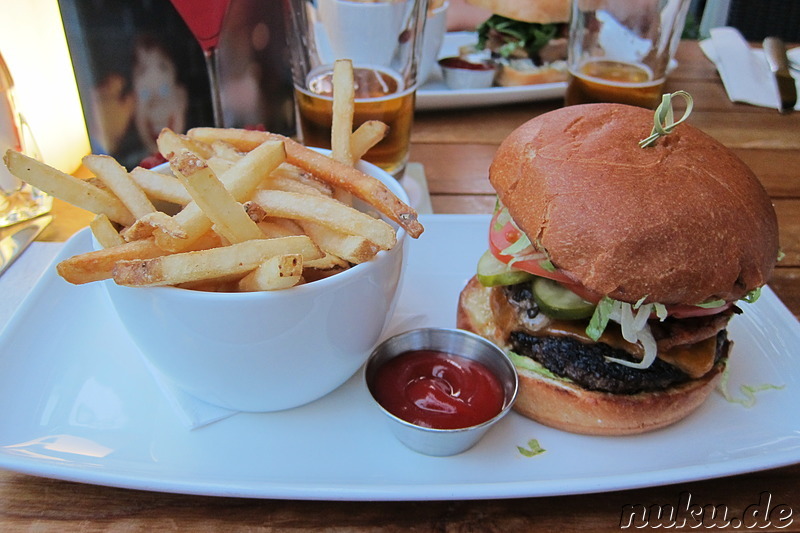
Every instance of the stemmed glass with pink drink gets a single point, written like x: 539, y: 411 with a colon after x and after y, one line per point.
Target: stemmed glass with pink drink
x: 205, y: 19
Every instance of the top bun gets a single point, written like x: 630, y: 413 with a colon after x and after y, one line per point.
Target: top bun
x: 683, y: 221
x: 540, y: 11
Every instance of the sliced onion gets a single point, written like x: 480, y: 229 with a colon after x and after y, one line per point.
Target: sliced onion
x: 635, y: 330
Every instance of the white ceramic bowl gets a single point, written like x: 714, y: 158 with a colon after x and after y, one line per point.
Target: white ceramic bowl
x: 479, y: 75
x: 266, y: 351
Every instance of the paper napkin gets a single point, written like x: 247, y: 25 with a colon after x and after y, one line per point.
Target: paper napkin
x: 744, y: 70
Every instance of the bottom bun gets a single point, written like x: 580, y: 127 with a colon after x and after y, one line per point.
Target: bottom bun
x: 508, y: 76
x: 563, y: 405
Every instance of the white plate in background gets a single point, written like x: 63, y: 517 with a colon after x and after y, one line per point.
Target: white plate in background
x: 434, y: 94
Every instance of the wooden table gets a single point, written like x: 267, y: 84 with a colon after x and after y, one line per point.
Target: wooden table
x: 456, y: 154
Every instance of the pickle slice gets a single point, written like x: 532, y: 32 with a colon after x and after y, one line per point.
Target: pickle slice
x: 556, y: 301
x: 492, y: 272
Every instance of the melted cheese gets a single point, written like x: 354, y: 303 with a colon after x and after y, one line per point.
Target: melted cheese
x: 695, y: 360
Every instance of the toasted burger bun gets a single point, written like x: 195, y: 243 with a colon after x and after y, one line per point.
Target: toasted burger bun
x: 559, y: 404
x: 540, y: 11
x: 509, y: 76
x: 681, y: 222
x: 564, y: 405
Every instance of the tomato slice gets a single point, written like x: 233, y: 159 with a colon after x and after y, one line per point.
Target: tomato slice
x: 689, y: 311
x: 503, y: 236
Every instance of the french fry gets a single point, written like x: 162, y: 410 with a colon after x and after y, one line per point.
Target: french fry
x: 219, y: 165
x: 343, y: 110
x: 226, y: 214
x: 286, y: 170
x: 98, y: 265
x: 145, y: 226
x: 279, y: 272
x: 226, y: 151
x: 352, y: 248
x: 170, y: 144
x: 281, y: 183
x: 259, y: 211
x: 361, y: 185
x: 105, y: 232
x: 362, y: 139
x: 254, y: 211
x: 274, y: 229
x: 327, y: 265
x: 208, y: 264
x: 160, y: 186
x: 278, y: 227
x: 366, y: 136
x: 117, y: 179
x: 242, y: 140
x: 240, y: 181
x: 79, y: 193
x: 328, y: 212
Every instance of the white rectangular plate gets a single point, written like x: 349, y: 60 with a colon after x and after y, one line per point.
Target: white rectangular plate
x: 434, y: 94
x: 80, y: 405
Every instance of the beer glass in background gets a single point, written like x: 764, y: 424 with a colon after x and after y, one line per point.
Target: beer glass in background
x: 18, y: 201
x: 383, y: 39
x: 620, y: 50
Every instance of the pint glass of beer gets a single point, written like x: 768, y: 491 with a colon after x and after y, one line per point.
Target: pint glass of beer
x: 620, y: 50
x: 383, y: 39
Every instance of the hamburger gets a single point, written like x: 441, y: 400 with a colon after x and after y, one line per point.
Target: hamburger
x: 613, y: 270
x: 527, y: 39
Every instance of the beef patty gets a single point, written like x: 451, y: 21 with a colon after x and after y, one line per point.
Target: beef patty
x: 586, y: 364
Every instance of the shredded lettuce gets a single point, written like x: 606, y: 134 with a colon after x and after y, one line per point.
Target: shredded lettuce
x: 632, y: 319
x: 526, y: 363
x: 533, y: 449
x: 752, y: 296
x: 599, y: 320
x: 711, y: 304
x: 503, y: 217
x: 528, y: 36
x: 547, y: 265
x: 749, y: 391
x: 519, y: 245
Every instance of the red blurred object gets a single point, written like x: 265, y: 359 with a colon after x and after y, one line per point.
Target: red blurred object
x: 153, y: 160
x: 204, y: 19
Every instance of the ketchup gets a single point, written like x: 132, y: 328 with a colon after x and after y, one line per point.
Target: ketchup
x: 457, y: 62
x: 438, y: 390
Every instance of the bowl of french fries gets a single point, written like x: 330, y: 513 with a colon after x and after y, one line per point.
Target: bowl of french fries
x: 271, y: 276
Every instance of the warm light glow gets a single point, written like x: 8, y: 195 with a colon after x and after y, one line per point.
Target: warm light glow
x: 33, y: 44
